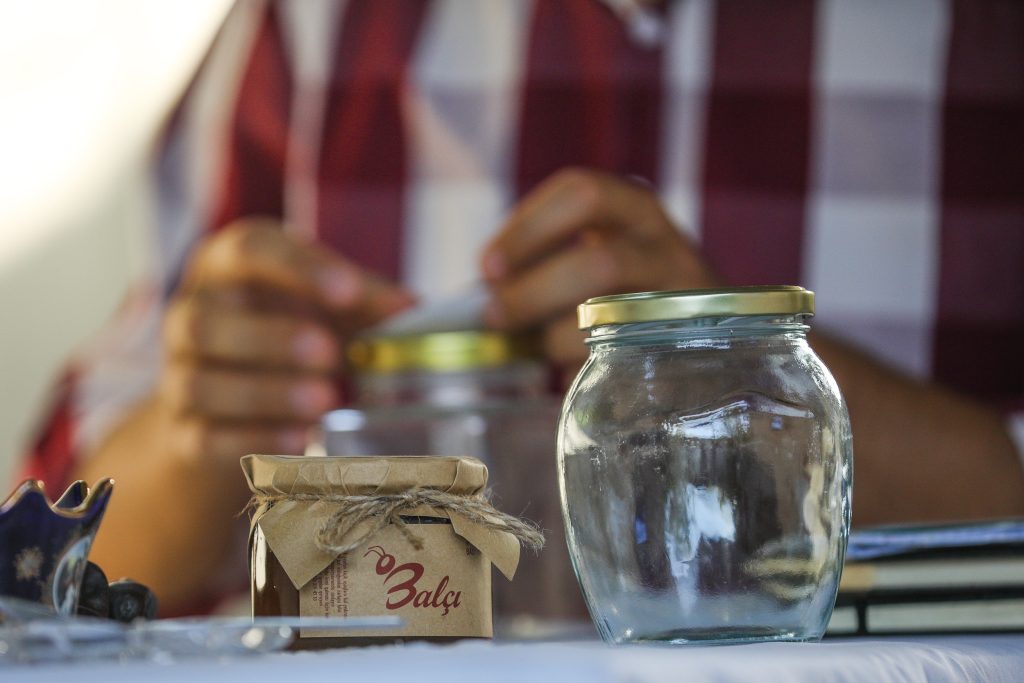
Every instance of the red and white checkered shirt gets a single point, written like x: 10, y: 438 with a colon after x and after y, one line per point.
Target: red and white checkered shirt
x: 870, y: 151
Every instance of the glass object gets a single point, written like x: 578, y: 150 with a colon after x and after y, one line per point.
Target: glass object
x: 31, y: 633
x: 705, y: 466
x: 476, y: 393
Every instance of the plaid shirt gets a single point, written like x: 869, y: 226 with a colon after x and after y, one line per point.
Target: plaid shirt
x: 872, y: 152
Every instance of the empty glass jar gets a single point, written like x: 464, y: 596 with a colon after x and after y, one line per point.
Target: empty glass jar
x: 705, y: 466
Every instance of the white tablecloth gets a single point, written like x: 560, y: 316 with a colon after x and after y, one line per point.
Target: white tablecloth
x: 985, y: 659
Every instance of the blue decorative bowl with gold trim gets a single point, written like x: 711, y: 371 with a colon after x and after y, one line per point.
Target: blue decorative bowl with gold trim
x: 44, y: 545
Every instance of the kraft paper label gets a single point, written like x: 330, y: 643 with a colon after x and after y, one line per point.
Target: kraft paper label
x: 442, y: 590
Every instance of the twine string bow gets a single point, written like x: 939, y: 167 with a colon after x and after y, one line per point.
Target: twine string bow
x: 382, y: 510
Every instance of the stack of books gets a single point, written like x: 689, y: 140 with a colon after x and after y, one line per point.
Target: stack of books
x: 954, y: 578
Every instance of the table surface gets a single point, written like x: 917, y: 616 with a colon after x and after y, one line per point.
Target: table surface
x: 982, y: 658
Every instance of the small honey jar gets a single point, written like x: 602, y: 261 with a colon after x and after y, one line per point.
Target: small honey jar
x: 406, y: 536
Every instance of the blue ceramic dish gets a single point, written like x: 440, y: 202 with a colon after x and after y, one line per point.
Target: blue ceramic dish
x: 44, y: 545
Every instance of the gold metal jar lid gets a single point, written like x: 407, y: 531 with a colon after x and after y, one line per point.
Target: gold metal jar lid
x: 440, y: 351
x: 639, y: 307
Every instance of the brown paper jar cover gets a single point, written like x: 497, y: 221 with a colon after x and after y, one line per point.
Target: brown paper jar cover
x: 292, y: 576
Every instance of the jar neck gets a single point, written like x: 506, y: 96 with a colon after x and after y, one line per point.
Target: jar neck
x: 526, y: 380
x: 701, y: 332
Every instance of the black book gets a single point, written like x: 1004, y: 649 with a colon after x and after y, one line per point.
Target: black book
x: 964, y: 578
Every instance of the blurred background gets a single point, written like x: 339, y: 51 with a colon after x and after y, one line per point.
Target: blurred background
x: 85, y: 86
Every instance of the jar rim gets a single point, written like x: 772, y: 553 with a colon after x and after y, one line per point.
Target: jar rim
x: 688, y: 304
x: 440, y: 351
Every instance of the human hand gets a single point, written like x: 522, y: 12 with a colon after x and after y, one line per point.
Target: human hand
x: 252, y: 340
x: 581, y: 234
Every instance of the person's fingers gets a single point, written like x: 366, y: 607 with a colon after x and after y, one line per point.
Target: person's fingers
x: 381, y: 299
x: 596, y: 265
x: 199, y: 327
x: 257, y: 251
x: 560, y: 208
x: 227, y: 441
x: 563, y: 341
x: 580, y: 235
x: 225, y: 393
x: 560, y: 282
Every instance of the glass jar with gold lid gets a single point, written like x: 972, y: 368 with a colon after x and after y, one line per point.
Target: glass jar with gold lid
x: 705, y: 466
x: 478, y: 393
